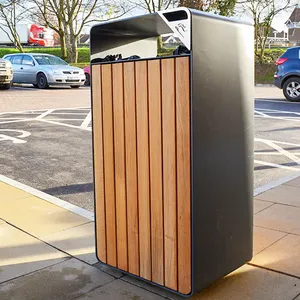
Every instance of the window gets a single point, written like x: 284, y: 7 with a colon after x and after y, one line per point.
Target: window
x: 17, y: 59
x: 49, y: 60
x: 27, y: 60
x: 8, y: 58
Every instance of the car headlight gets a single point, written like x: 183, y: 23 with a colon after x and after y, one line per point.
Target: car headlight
x: 56, y: 72
x: 8, y: 64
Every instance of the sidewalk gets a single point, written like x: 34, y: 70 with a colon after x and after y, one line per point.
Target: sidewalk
x: 47, y: 253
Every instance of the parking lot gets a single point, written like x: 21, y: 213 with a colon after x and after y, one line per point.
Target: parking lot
x: 46, y: 143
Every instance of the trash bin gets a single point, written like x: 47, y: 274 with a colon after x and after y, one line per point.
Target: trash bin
x: 173, y: 147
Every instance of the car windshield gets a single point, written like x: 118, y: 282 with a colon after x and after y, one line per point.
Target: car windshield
x: 49, y: 60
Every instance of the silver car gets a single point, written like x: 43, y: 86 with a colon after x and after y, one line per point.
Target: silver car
x: 43, y: 70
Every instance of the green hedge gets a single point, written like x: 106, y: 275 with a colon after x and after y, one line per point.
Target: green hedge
x: 83, y: 53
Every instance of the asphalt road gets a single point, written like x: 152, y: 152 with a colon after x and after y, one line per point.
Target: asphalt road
x: 50, y: 149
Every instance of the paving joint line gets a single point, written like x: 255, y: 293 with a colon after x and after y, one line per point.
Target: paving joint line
x: 30, y: 273
x: 264, y: 208
x: 277, y: 230
x: 272, y: 270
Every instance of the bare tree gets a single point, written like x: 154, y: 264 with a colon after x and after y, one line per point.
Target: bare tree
x: 69, y: 17
x: 220, y: 7
x: 263, y: 12
x: 153, y: 6
x: 10, y: 14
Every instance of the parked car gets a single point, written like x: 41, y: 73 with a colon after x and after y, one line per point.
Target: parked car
x: 6, y: 74
x: 87, y: 73
x: 287, y: 76
x: 43, y: 70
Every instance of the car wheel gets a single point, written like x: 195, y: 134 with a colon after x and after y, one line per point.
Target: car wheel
x: 75, y: 86
x: 87, y: 79
x: 35, y: 85
x: 291, y: 89
x: 5, y: 86
x: 42, y: 82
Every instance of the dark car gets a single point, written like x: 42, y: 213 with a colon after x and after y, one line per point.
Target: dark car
x: 287, y: 76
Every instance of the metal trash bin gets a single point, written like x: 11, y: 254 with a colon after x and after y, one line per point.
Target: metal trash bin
x: 173, y: 147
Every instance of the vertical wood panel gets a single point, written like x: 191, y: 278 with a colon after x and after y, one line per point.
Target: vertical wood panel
x: 131, y: 168
x: 155, y: 133
x: 141, y: 84
x: 120, y: 180
x: 98, y: 163
x: 109, y: 178
x: 183, y: 174
x: 169, y: 172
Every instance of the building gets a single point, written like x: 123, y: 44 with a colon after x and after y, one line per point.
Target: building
x: 293, y: 25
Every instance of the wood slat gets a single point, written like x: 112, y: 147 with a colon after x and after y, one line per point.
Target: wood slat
x: 109, y: 177
x: 141, y: 84
x: 131, y: 168
x: 98, y: 163
x: 120, y: 180
x: 155, y: 138
x: 183, y: 174
x: 169, y: 171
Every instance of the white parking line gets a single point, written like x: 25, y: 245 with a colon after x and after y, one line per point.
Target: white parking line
x: 264, y: 163
x: 45, y: 114
x: 66, y: 125
x: 261, y: 114
x: 280, y: 150
x: 272, y: 153
x: 279, y: 111
x: 87, y: 120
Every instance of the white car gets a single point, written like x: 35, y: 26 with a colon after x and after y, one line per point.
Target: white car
x: 6, y: 74
x: 43, y: 70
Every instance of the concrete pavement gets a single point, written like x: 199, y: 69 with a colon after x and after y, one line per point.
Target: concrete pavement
x: 47, y: 252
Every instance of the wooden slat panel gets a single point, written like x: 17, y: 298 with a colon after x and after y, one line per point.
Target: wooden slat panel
x: 131, y: 168
x: 109, y: 178
x: 183, y: 174
x: 98, y: 163
x: 143, y: 168
x: 120, y: 180
x: 155, y: 133
x: 169, y: 171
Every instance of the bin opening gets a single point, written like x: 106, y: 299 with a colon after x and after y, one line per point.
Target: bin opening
x: 137, y: 38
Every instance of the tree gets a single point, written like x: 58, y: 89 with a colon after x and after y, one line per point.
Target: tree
x: 263, y: 12
x: 153, y: 6
x: 220, y: 7
x: 69, y: 17
x: 10, y: 14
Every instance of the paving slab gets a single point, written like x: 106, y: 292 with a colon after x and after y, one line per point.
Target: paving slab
x: 109, y: 270
x: 264, y: 238
x: 12, y: 193
x: 251, y: 283
x: 21, y: 254
x: 38, y: 217
x: 283, y: 256
x: 284, y: 194
x: 120, y: 290
x: 64, y: 281
x: 260, y: 205
x: 246, y: 283
x: 294, y: 182
x: 279, y: 217
x: 78, y: 242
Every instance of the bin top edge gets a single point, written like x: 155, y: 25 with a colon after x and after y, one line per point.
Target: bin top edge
x: 153, y: 16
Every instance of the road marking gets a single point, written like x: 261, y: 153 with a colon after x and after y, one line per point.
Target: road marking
x: 280, y: 150
x: 59, y: 119
x: 276, y: 101
x: 259, y: 162
x: 87, y: 120
x: 42, y: 110
x: 44, y: 114
x: 279, y: 111
x: 278, y: 142
x: 272, y: 153
x: 278, y: 118
x: 24, y: 120
x: 66, y: 125
x: 260, y: 113
x: 15, y: 140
